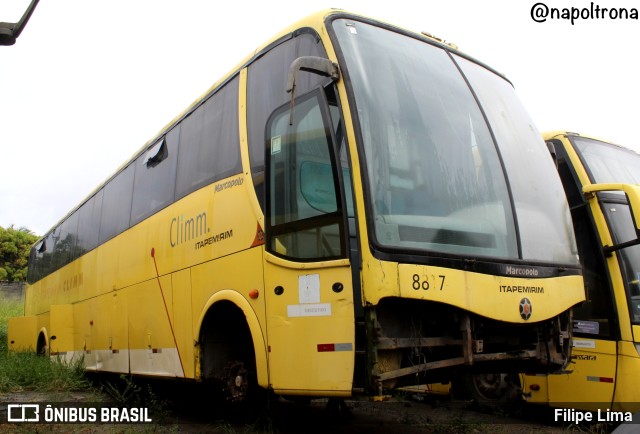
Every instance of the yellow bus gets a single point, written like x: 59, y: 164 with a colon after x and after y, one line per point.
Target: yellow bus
x: 353, y: 208
x: 601, y: 181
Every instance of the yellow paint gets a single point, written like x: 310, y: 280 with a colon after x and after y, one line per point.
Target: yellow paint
x: 23, y: 333
x: 62, y: 328
x: 479, y: 293
x: 294, y: 332
x: 182, y: 319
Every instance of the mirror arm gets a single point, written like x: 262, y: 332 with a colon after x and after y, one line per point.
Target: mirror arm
x: 313, y: 64
x: 9, y: 32
x: 608, y: 250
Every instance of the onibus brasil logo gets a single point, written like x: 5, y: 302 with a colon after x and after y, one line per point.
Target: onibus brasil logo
x: 37, y: 413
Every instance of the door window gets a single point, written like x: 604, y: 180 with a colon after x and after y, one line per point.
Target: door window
x: 305, y: 214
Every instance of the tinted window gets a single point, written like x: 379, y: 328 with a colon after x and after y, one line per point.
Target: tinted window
x: 46, y: 261
x: 116, y: 204
x: 266, y: 84
x: 89, y: 223
x: 305, y: 215
x: 65, y: 249
x: 155, y: 177
x: 36, y: 266
x: 209, y: 143
x: 623, y: 230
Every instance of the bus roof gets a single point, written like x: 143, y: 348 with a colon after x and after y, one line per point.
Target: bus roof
x: 549, y: 135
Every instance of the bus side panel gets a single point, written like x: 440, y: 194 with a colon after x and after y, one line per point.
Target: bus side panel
x: 183, y: 320
x: 23, y: 333
x: 591, y: 382
x: 151, y: 341
x: 110, y: 333
x: 535, y: 388
x: 627, y: 394
x: 62, y: 330
x: 105, y: 277
x: 310, y: 330
x: 83, y: 319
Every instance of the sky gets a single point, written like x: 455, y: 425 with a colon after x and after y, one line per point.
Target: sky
x: 90, y: 81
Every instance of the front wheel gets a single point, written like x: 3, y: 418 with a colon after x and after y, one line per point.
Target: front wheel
x: 492, y: 390
x: 238, y: 382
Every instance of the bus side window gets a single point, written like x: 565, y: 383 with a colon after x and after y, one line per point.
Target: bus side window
x: 116, y: 204
x: 66, y: 249
x: 304, y: 211
x: 209, y: 148
x: 155, y: 178
x: 619, y: 216
x: 89, y: 222
x: 266, y: 82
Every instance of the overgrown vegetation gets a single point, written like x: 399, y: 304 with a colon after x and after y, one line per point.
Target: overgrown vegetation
x: 129, y: 393
x: 9, y: 307
x: 14, y: 253
x: 27, y: 371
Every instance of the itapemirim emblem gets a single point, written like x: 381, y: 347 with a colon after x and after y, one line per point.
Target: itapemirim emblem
x: 525, y: 309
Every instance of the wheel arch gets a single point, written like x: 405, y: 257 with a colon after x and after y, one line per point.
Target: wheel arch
x: 255, y: 329
x: 42, y: 342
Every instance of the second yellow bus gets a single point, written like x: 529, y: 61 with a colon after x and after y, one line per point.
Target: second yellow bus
x: 602, y: 185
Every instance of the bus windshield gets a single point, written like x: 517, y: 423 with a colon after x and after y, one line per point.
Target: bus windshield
x: 608, y: 163
x: 448, y: 169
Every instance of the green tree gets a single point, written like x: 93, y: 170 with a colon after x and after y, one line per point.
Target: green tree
x: 14, y: 252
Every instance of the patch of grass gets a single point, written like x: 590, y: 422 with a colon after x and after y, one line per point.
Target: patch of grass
x: 9, y: 307
x: 27, y: 371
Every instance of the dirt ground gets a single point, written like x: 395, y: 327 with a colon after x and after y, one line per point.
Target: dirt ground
x: 186, y: 410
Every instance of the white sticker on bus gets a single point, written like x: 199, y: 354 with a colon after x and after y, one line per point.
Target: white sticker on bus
x: 319, y: 309
x: 584, y: 344
x: 309, y: 288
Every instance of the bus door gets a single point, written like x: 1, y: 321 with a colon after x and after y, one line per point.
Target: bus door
x: 590, y: 383
x: 622, y: 214
x: 308, y: 280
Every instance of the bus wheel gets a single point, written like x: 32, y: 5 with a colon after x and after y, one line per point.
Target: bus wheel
x: 227, y: 356
x: 237, y: 382
x: 491, y: 390
x: 244, y: 400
